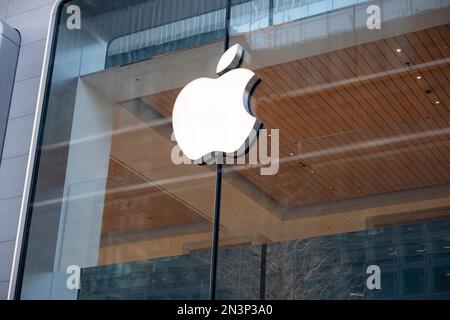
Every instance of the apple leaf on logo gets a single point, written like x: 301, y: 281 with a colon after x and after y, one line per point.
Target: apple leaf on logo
x: 230, y: 60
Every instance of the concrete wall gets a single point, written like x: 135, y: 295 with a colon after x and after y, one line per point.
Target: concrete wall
x: 31, y: 18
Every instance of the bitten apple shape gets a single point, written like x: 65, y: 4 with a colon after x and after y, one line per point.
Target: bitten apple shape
x: 213, y: 115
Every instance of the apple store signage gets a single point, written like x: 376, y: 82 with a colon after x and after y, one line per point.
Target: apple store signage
x: 212, y: 118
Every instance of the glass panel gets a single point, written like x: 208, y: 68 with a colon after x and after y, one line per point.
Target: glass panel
x: 248, y: 16
x: 108, y: 199
x: 363, y: 177
x: 175, y: 25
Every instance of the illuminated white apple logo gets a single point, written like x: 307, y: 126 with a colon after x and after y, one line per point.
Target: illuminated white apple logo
x: 213, y: 115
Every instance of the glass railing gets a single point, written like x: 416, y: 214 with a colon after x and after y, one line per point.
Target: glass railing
x: 259, y: 14
x: 185, y: 33
x: 246, y: 16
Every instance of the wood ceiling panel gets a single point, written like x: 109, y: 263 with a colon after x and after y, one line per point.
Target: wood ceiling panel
x: 370, y: 124
x: 130, y: 206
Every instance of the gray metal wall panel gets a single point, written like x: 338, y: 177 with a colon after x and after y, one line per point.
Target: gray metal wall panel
x: 4, y: 289
x: 9, y: 218
x: 24, y: 98
x: 12, y: 177
x: 18, y: 137
x: 6, y: 251
x: 30, y: 60
x: 3, y: 8
x: 20, y: 6
x: 32, y: 24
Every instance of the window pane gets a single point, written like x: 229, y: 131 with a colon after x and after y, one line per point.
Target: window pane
x: 363, y: 155
x: 108, y: 199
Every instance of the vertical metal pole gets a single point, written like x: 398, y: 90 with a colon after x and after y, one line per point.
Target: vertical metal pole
x: 215, y: 239
x: 218, y: 193
x: 227, y: 26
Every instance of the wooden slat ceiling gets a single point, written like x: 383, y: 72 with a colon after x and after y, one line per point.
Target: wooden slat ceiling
x: 129, y: 207
x: 356, y: 121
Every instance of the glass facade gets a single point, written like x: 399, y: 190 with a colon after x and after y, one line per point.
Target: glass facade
x: 362, y: 170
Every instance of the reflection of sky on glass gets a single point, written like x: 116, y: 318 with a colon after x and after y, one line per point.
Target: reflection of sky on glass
x: 255, y: 15
x: 204, y: 23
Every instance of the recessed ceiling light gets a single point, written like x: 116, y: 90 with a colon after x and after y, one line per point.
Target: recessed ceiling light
x: 437, y: 102
x: 312, y: 172
x: 418, y: 77
x: 398, y: 50
x: 291, y: 154
x: 331, y: 188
